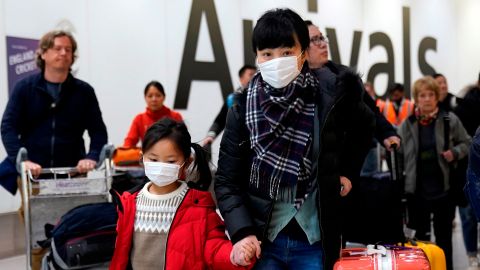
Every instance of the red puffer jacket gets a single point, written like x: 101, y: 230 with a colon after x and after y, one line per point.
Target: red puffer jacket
x: 196, y: 239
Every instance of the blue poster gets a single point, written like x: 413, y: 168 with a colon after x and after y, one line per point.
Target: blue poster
x: 21, y: 59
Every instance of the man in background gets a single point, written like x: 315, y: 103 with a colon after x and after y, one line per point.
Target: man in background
x: 447, y: 101
x: 326, y: 72
x: 49, y: 112
x: 244, y: 75
x: 397, y: 106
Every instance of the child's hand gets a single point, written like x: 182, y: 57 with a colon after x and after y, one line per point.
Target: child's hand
x: 245, y: 250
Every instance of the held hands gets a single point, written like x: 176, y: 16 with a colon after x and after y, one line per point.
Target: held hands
x: 448, y: 156
x: 346, y: 186
x: 85, y: 165
x: 391, y: 140
x: 245, y: 250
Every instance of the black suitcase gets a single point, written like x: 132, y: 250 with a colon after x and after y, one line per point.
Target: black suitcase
x: 85, y: 251
x: 373, y: 211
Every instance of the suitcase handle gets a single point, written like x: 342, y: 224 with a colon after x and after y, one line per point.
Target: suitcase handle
x: 395, y: 168
x: 376, y: 249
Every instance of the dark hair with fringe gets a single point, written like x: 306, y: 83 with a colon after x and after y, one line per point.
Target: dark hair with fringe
x: 245, y: 68
x: 278, y: 28
x: 395, y: 87
x: 177, y: 132
x: 155, y: 84
x: 309, y: 23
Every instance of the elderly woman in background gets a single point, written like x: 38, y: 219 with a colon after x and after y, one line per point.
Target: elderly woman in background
x: 428, y: 156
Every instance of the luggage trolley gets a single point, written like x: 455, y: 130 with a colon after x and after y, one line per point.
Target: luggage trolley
x: 46, y: 200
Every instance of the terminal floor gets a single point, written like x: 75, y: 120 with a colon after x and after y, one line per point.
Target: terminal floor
x: 12, y: 253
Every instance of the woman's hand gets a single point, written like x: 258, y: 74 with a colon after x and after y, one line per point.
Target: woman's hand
x: 245, y: 250
x: 388, y: 142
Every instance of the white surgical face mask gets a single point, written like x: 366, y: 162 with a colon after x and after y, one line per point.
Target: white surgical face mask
x: 279, y: 72
x: 160, y: 173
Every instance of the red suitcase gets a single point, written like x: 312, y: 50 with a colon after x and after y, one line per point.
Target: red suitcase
x: 381, y: 258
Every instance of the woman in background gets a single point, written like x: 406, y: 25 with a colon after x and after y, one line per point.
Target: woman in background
x: 428, y: 155
x: 154, y: 97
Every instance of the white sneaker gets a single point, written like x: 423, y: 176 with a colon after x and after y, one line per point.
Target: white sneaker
x: 473, y: 263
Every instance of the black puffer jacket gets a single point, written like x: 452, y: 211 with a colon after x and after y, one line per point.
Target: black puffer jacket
x: 346, y: 128
x: 383, y: 128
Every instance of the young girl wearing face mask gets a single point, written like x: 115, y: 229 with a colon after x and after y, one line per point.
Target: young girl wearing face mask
x: 169, y: 223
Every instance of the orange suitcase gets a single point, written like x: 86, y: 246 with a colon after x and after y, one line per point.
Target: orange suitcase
x: 381, y: 258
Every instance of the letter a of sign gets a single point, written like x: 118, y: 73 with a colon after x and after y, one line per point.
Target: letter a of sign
x: 199, y: 70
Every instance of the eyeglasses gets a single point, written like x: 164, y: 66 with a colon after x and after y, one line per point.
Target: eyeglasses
x: 317, y: 40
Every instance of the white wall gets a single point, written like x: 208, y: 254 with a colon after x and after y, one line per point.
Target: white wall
x: 123, y: 44
x: 7, y: 201
x: 467, y: 36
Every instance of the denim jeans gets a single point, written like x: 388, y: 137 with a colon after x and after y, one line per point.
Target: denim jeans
x: 288, y: 253
x: 472, y: 190
x: 469, y: 229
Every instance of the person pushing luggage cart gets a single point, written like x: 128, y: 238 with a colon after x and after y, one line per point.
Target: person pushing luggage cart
x: 48, y: 113
x: 50, y: 195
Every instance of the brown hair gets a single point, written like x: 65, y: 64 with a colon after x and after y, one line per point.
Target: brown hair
x: 427, y: 82
x: 47, y: 41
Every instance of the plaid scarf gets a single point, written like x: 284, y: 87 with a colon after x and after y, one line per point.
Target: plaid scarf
x: 425, y: 119
x: 280, y: 122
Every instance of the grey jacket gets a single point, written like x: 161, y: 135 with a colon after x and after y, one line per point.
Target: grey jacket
x: 408, y: 131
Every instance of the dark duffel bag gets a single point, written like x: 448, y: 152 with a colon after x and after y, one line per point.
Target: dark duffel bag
x: 84, y: 237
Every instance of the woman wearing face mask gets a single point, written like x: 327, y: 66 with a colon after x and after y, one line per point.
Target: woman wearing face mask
x: 168, y: 223
x: 281, y: 172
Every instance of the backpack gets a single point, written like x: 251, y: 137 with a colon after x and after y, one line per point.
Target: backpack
x: 84, y: 237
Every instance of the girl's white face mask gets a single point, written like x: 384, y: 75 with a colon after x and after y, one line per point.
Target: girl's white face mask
x: 279, y: 72
x: 160, y: 173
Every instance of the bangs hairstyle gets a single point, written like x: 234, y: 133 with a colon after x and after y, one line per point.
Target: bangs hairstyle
x: 177, y: 132
x: 425, y: 83
x: 155, y: 84
x: 278, y: 28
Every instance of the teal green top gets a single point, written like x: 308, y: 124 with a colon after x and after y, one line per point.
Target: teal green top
x: 306, y: 216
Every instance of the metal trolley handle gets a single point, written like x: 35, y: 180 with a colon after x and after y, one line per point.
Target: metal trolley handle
x: 55, y: 172
x: 22, y: 156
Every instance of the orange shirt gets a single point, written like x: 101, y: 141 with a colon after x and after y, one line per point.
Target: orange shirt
x: 144, y: 120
